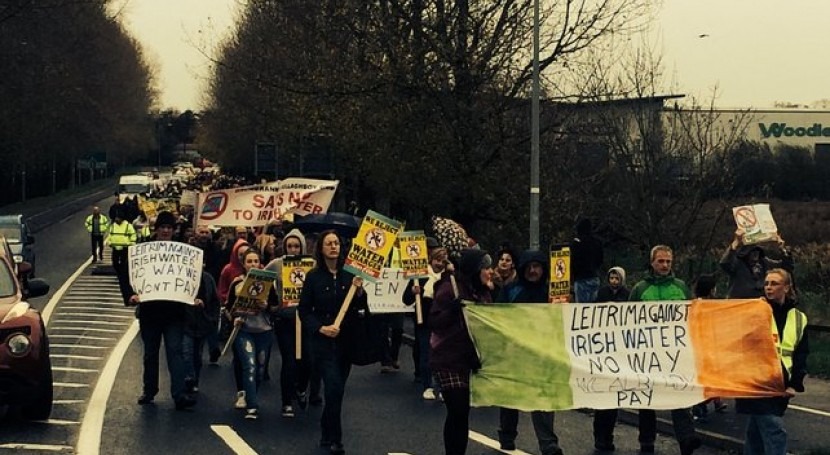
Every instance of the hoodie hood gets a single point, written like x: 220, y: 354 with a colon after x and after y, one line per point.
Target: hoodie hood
x: 744, y: 251
x: 619, y: 271
x: 529, y: 256
x: 234, y: 259
x: 299, y: 236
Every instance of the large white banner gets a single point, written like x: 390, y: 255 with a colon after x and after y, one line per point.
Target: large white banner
x: 256, y: 205
x: 386, y: 294
x: 163, y: 270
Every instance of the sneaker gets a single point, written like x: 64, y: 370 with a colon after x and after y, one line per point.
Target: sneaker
x: 337, y: 449
x: 251, y: 414
x: 302, y: 400
x: 429, y: 394
x: 145, y: 398
x: 240, y: 400
x: 507, y: 445
x: 288, y: 411
x: 688, y: 446
x: 387, y: 369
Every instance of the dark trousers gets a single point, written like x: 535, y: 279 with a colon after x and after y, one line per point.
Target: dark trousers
x: 542, y: 424
x: 119, y: 263
x: 97, y: 244
x: 605, y: 419
x: 334, y: 370
x: 192, y: 348
x: 391, y: 326
x: 152, y: 333
x: 294, y: 374
x: 457, y: 422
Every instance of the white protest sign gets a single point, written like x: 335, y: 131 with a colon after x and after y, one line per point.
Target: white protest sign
x: 164, y: 270
x: 386, y: 294
x: 189, y: 197
x: 256, y: 205
x: 630, y: 354
x: 757, y: 223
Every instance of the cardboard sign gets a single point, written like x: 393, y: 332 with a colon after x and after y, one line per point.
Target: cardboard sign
x: 256, y: 205
x: 294, y: 271
x: 385, y: 295
x: 560, y: 274
x: 164, y: 270
x: 253, y: 294
x: 413, y: 254
x: 757, y: 223
x: 372, y: 245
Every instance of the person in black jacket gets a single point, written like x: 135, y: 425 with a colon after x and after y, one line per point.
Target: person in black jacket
x: 530, y: 287
x: 586, y: 259
x: 323, y: 294
x: 747, y: 265
x: 438, y: 261
x: 201, y: 321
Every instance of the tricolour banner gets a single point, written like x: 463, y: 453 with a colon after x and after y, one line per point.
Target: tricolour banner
x: 256, y: 205
x: 164, y: 270
x: 294, y: 271
x: 655, y: 355
x: 372, y: 245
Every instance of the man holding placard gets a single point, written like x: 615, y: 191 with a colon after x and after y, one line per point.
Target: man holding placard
x: 164, y: 277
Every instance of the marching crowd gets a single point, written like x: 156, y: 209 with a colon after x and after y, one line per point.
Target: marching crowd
x: 443, y: 353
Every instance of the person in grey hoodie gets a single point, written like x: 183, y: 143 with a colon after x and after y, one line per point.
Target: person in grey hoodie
x: 294, y: 374
x: 615, y: 290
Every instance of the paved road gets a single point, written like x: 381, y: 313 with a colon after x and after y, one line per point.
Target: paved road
x: 384, y: 414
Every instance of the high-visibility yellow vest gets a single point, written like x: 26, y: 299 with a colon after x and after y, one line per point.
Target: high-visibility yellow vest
x: 121, y: 235
x: 793, y: 331
x: 103, y: 224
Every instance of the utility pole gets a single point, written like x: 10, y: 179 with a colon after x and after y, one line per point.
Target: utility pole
x: 534, y: 135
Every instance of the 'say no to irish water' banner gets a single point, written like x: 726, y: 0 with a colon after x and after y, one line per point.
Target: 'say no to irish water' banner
x: 372, y: 245
x: 655, y: 355
x: 164, y: 270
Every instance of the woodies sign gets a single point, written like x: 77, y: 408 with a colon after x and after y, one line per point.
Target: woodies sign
x: 769, y: 130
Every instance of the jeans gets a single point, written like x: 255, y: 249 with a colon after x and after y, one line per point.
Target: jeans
x: 765, y: 435
x: 151, y: 335
x: 250, y: 349
x: 585, y: 291
x: 542, y: 425
x: 294, y: 373
x: 192, y: 348
x: 334, y: 369
x: 391, y: 325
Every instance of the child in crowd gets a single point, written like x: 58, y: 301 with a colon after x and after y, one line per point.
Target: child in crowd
x: 615, y: 290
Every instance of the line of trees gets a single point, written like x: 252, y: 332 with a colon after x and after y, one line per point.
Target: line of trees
x: 73, y: 83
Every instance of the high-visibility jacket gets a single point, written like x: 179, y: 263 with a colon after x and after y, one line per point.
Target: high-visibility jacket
x: 121, y: 235
x: 793, y: 331
x: 103, y: 224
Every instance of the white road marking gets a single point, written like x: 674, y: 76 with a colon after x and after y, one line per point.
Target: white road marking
x: 101, y: 314
x: 94, y: 307
x: 89, y: 438
x: 67, y: 401
x: 79, y: 337
x: 43, y: 447
x: 73, y: 370
x: 71, y: 385
x: 91, y: 329
x: 493, y: 444
x: 233, y: 440
x: 58, y: 422
x: 73, y: 321
x: 56, y: 297
x: 810, y: 410
x: 79, y: 346
x: 70, y: 356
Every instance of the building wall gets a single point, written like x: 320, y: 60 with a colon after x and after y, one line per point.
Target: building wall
x: 804, y: 128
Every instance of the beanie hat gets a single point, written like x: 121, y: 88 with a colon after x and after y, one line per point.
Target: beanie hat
x: 471, y: 263
x: 165, y: 218
x: 619, y: 271
x: 432, y: 242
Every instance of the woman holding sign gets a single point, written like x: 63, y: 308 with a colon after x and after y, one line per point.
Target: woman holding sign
x: 252, y: 316
x: 324, y: 292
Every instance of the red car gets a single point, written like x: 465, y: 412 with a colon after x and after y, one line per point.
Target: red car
x: 25, y: 368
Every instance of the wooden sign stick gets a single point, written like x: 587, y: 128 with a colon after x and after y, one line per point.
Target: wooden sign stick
x: 345, y: 306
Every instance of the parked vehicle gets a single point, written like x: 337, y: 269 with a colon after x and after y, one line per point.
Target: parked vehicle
x: 25, y: 367
x: 133, y: 185
x: 20, y: 239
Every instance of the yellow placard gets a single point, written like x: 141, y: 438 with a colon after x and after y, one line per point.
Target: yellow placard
x: 413, y: 251
x: 372, y: 245
x: 253, y: 296
x: 560, y: 274
x: 294, y: 271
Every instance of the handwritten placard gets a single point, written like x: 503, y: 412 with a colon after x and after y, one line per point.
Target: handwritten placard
x: 165, y: 270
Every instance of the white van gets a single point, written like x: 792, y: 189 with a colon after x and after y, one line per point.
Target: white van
x: 130, y: 185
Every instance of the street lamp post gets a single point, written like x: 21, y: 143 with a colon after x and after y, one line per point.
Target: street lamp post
x: 534, y: 135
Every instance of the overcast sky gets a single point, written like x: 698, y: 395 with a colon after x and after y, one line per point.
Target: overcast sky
x: 756, y: 51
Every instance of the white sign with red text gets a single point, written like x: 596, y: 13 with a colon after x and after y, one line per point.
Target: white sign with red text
x: 256, y: 205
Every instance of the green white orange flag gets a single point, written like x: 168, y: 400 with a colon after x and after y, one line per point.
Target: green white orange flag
x: 655, y: 355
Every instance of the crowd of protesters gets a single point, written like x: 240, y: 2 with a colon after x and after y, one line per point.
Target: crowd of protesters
x: 443, y: 354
